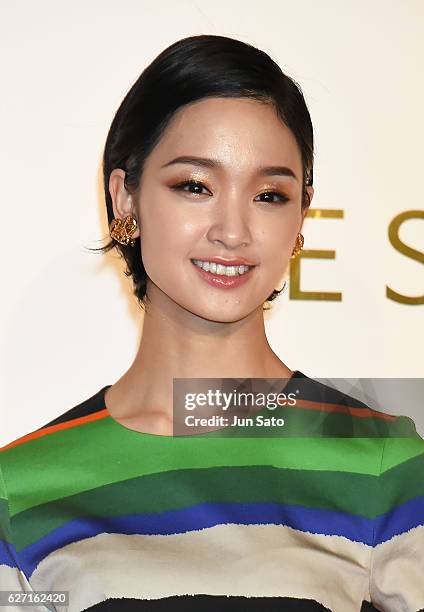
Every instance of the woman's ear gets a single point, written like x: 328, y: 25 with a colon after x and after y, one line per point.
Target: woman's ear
x: 310, y: 190
x: 122, y: 201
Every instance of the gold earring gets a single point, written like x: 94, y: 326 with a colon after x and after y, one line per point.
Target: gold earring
x: 298, y: 245
x: 121, y: 230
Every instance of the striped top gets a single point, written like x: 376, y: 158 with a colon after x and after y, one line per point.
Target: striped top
x: 326, y: 515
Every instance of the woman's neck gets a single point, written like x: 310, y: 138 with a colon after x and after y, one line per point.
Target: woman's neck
x: 182, y: 345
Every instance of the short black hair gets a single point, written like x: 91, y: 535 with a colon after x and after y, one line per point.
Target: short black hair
x: 192, y: 69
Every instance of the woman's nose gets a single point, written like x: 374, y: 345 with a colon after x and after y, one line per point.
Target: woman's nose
x: 230, y: 225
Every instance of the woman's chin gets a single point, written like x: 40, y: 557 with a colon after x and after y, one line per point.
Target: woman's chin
x: 228, y: 311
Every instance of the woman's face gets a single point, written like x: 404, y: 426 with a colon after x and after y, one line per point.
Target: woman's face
x: 228, y: 214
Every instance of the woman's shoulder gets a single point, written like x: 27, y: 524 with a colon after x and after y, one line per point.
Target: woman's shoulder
x: 88, y: 408
x: 32, y: 465
x: 343, y: 414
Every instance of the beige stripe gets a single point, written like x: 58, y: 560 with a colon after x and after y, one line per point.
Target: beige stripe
x: 12, y: 579
x: 397, y: 576
x: 248, y: 560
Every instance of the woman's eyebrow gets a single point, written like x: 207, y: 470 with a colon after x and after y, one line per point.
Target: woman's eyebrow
x: 214, y: 163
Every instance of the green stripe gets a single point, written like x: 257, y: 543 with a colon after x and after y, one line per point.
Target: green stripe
x: 401, y: 483
x: 396, y: 451
x: 93, y: 454
x: 4, y: 521
x: 351, y: 493
x: 4, y: 511
x: 337, y: 491
x: 300, y: 422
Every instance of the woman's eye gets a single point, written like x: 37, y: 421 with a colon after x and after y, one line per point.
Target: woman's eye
x: 282, y: 197
x: 194, y: 184
x: 195, y: 187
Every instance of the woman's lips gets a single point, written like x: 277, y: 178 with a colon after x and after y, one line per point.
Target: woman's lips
x: 221, y: 281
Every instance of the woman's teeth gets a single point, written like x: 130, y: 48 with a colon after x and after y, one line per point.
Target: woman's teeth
x: 220, y: 269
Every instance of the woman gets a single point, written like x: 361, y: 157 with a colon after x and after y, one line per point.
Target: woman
x: 208, y: 178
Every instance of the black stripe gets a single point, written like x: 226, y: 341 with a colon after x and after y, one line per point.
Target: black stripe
x: 212, y: 603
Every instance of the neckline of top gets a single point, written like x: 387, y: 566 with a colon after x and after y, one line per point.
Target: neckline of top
x: 145, y: 434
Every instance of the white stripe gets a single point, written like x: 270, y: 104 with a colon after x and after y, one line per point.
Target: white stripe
x: 397, y: 576
x: 246, y: 560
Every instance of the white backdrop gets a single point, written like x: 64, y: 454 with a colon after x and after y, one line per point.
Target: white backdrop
x: 69, y: 325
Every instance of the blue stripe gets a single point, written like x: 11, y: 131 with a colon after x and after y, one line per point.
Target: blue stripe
x: 202, y: 516
x: 6, y: 551
x: 401, y: 519
x: 198, y: 517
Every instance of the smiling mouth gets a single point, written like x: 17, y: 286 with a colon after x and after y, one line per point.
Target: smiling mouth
x: 218, y: 269
x: 222, y: 280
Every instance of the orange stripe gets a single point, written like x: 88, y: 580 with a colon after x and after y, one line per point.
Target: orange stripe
x: 101, y: 414
x: 359, y: 412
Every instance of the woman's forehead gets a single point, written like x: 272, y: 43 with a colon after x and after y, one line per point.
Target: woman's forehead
x: 235, y: 132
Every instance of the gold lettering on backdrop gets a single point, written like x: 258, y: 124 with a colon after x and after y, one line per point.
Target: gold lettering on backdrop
x: 296, y: 293
x: 406, y: 250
